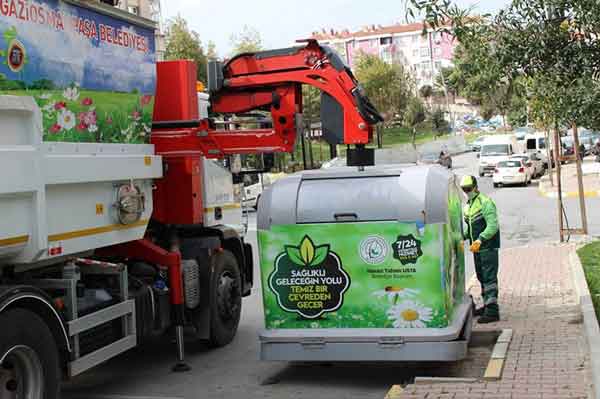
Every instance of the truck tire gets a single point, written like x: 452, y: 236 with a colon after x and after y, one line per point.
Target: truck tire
x: 31, y: 360
x: 225, y: 300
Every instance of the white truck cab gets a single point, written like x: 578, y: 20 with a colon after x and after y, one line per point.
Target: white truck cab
x: 495, y: 149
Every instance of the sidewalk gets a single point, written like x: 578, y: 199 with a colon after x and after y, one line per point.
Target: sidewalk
x: 548, y: 356
x: 591, y: 181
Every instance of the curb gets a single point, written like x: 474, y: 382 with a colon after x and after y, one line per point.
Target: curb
x: 592, y: 330
x: 569, y: 194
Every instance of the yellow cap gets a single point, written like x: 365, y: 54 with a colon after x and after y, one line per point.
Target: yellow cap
x: 468, y: 181
x: 199, y: 86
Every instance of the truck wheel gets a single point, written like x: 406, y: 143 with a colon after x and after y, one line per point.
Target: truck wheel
x: 226, y: 299
x: 29, y: 359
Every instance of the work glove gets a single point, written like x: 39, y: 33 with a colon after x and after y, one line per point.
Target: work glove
x: 475, y: 246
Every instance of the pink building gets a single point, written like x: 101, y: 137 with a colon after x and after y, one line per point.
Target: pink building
x: 424, y: 55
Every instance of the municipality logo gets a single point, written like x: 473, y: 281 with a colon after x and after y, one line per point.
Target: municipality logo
x: 373, y: 250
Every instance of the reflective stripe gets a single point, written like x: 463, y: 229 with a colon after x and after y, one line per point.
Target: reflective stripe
x: 489, y: 301
x: 491, y: 287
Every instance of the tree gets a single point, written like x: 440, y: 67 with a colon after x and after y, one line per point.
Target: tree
x: 439, y: 122
x: 426, y: 92
x: 184, y: 43
x: 246, y: 41
x: 388, y: 86
x: 415, y: 114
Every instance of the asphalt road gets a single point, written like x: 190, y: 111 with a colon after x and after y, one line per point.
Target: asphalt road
x: 236, y: 372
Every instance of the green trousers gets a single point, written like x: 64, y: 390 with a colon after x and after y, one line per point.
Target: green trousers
x: 486, y: 268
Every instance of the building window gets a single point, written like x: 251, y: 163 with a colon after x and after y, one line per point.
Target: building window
x: 438, y: 65
x: 415, y: 38
x: 437, y: 51
x: 384, y: 41
x: 134, y: 10
x: 415, y: 52
x: 425, y: 52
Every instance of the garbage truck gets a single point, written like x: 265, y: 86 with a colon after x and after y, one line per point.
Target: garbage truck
x: 116, y: 223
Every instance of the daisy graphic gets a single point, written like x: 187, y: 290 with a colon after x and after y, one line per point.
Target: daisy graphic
x: 394, y: 293
x: 66, y: 119
x: 409, y: 314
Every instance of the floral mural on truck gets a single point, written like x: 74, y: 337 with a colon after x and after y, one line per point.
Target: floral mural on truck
x: 92, y: 76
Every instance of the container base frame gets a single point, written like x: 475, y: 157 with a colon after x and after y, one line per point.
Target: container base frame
x: 366, y: 345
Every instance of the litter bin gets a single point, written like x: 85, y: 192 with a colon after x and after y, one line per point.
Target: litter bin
x: 364, y: 266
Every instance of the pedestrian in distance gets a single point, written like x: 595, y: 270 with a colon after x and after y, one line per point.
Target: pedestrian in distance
x: 483, y: 234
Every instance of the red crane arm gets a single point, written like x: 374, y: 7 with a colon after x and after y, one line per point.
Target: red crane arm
x: 269, y: 80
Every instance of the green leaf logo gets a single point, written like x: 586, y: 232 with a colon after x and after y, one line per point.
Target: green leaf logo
x: 307, y: 250
x: 307, y: 254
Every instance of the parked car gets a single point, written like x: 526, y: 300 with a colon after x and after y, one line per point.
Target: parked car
x: 512, y: 171
x: 442, y: 159
x: 533, y: 163
x: 476, y: 144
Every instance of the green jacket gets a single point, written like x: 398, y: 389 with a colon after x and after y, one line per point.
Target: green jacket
x: 482, y: 222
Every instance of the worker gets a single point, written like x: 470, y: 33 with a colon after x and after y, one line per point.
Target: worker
x: 483, y: 233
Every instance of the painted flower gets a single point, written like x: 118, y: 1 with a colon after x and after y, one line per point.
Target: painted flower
x: 60, y: 105
x: 88, y: 118
x: 45, y: 96
x: 93, y: 128
x: 48, y: 107
x: 71, y: 93
x: 87, y: 101
x: 314, y: 324
x: 109, y: 120
x: 145, y: 100
x: 136, y: 115
x: 66, y: 119
x: 393, y: 293
x: 410, y: 314
x: 81, y: 126
x: 55, y: 128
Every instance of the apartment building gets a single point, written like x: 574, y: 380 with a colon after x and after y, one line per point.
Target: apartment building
x: 424, y: 55
x: 149, y: 9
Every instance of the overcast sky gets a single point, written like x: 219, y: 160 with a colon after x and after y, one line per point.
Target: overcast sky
x: 281, y: 22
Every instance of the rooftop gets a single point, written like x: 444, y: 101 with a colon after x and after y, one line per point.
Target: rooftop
x: 370, y: 30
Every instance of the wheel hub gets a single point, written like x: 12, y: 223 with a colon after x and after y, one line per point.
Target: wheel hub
x: 227, y: 296
x: 21, y: 374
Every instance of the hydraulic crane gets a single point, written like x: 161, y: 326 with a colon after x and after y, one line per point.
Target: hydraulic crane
x: 268, y: 80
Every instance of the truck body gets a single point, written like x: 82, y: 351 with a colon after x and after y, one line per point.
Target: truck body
x: 116, y: 222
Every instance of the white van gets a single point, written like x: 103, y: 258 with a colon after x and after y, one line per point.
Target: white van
x: 495, y: 149
x: 536, y: 144
x: 254, y: 186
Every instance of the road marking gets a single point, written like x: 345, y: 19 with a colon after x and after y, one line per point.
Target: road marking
x: 395, y: 392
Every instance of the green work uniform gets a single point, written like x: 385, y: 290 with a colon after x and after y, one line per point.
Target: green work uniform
x: 482, y: 224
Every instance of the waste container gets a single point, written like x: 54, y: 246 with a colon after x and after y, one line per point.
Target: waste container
x: 364, y: 266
